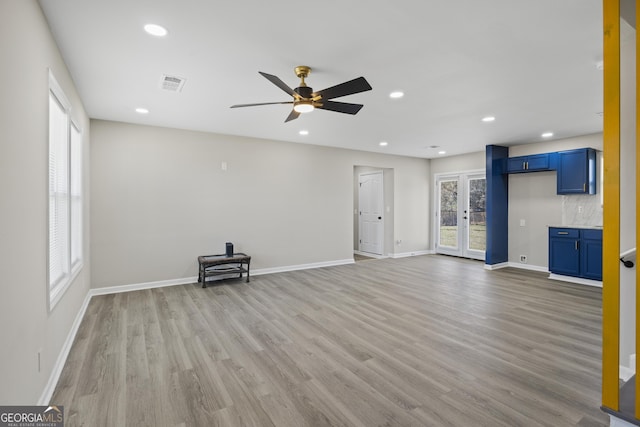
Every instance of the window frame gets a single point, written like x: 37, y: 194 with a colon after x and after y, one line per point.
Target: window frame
x: 68, y: 173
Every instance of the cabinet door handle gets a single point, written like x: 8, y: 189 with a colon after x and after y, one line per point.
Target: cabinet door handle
x: 584, y: 187
x: 576, y: 245
x: 527, y: 167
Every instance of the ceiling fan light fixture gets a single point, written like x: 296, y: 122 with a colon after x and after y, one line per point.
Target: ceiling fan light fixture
x: 303, y: 107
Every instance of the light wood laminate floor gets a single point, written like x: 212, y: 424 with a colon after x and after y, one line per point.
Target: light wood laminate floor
x: 421, y: 341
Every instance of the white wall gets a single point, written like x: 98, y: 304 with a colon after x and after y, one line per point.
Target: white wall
x: 28, y: 50
x: 627, y: 189
x: 160, y: 199
x: 460, y: 163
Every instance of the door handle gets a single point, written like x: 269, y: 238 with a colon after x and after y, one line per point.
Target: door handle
x: 379, y: 217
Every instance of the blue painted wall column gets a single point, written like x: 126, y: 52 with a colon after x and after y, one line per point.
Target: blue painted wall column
x: 497, y: 205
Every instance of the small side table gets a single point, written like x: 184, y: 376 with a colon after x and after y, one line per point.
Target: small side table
x: 218, y: 265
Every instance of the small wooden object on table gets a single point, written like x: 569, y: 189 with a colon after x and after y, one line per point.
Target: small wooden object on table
x: 219, y: 265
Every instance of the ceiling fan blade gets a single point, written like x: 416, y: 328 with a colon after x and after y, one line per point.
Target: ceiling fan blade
x: 347, y: 88
x: 340, y: 107
x: 262, y: 103
x: 276, y: 81
x: 292, y: 116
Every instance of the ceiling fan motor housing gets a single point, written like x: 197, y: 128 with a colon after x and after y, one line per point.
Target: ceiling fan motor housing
x: 304, y: 91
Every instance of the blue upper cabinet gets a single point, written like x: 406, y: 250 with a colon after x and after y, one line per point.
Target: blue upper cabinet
x: 532, y: 163
x: 577, y: 171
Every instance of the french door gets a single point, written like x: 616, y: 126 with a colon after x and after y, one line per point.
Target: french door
x: 460, y: 215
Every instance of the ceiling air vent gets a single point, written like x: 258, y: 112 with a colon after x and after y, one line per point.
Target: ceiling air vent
x: 172, y: 83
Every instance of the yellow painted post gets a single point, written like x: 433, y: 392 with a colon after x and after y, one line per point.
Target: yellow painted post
x: 611, y: 209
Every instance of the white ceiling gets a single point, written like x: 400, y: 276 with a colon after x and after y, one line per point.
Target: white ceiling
x: 531, y: 64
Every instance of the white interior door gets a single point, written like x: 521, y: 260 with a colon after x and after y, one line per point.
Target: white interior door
x: 370, y: 218
x: 460, y: 215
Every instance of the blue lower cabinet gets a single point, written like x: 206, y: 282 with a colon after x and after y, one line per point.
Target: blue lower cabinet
x: 564, y: 251
x: 576, y: 252
x: 591, y: 254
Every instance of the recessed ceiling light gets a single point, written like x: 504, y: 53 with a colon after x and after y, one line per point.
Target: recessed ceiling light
x: 547, y: 135
x: 304, y: 132
x: 155, y: 30
x: 384, y: 143
x: 442, y: 152
x: 142, y: 111
x: 396, y: 94
x: 488, y: 119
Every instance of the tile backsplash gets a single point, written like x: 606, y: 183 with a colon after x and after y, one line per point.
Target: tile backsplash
x: 581, y: 209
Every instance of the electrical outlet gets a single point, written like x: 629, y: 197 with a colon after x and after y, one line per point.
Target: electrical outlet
x: 523, y: 259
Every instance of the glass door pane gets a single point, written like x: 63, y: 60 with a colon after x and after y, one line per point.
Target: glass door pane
x: 448, y: 214
x: 477, y: 230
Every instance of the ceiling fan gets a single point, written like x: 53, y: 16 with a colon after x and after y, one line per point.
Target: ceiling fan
x: 306, y: 100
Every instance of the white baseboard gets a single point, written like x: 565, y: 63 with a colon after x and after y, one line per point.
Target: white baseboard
x: 516, y: 265
x: 50, y: 387
x: 141, y: 286
x: 626, y: 372
x: 412, y: 253
x: 578, y: 280
x: 370, y: 255
x: 497, y: 266
x: 286, y: 268
x: 194, y: 279
x: 528, y: 267
x: 619, y: 422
